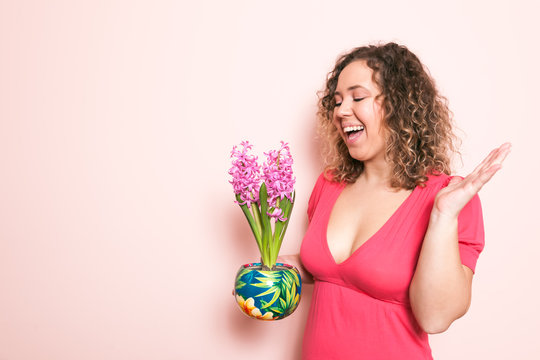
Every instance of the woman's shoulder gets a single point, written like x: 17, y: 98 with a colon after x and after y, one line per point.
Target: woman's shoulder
x: 325, y: 183
x: 326, y: 178
x: 437, y: 180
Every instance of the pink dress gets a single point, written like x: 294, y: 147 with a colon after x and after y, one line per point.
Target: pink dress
x: 360, y: 308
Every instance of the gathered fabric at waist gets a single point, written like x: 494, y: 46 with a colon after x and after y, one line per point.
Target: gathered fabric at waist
x: 340, y: 282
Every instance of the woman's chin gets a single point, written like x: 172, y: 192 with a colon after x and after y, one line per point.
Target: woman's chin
x: 356, y: 155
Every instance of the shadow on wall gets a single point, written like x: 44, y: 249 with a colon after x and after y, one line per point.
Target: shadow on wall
x: 314, y: 143
x: 257, y: 333
x: 302, y: 314
x: 240, y: 237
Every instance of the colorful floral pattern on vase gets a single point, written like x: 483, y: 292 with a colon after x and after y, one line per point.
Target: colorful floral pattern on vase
x: 268, y: 294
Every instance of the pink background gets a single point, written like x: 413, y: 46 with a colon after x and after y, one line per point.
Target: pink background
x: 119, y: 238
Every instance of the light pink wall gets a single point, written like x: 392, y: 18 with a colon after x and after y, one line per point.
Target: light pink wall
x: 118, y: 235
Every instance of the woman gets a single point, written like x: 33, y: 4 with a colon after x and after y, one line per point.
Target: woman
x: 393, y: 239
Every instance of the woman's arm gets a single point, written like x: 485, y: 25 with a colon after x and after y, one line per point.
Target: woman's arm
x: 295, y: 261
x: 440, y: 291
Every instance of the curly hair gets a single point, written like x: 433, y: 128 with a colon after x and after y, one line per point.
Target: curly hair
x: 419, y: 123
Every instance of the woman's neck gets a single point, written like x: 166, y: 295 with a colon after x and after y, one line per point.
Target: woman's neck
x: 376, y: 173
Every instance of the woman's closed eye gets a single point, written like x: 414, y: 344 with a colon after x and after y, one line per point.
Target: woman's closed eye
x: 355, y: 99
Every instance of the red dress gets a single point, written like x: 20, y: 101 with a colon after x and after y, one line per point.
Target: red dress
x: 360, y: 308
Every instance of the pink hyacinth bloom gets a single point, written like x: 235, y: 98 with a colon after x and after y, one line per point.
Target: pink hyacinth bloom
x: 278, y: 177
x: 245, y: 172
x: 277, y: 213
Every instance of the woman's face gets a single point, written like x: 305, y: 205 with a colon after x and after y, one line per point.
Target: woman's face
x: 357, y: 115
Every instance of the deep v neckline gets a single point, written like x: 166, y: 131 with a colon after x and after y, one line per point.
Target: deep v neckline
x: 369, y: 240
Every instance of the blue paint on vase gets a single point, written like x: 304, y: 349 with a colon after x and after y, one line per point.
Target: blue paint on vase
x: 268, y: 294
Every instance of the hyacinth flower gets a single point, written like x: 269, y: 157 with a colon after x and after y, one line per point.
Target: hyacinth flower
x: 265, y: 195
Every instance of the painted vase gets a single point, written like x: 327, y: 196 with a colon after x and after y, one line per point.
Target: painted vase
x: 268, y: 294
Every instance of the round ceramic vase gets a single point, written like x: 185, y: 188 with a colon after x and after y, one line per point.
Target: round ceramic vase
x: 268, y: 294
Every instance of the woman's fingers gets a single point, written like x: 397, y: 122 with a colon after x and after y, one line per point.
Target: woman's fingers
x: 459, y: 192
x: 496, y: 156
x: 487, y: 174
x: 487, y: 160
x: 491, y: 164
x: 496, y: 161
x: 504, y: 150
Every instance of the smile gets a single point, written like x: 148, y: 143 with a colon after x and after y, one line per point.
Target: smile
x: 353, y: 132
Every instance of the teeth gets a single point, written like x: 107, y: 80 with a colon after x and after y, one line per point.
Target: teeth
x: 353, y: 128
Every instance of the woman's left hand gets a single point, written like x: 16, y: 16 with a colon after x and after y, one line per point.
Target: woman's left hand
x: 451, y: 199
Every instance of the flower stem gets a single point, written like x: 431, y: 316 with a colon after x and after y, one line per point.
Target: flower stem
x: 255, y: 228
x: 266, y: 226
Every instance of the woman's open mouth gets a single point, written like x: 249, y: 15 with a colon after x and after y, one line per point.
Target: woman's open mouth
x: 353, y: 132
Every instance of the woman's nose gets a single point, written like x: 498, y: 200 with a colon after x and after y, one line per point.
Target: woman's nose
x: 345, y: 108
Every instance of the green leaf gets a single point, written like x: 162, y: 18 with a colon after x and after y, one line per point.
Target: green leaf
x: 274, y: 298
x: 287, y: 282
x: 287, y: 275
x: 288, y: 216
x: 267, y: 278
x: 240, y: 285
x: 267, y: 281
x: 293, y: 304
x: 248, y: 276
x: 289, y: 209
x: 283, y: 303
x: 262, y: 285
x: 276, y: 310
x: 293, y: 290
x: 269, y: 291
x: 285, y: 205
x: 295, y: 276
x: 269, y: 275
x: 288, y: 296
x: 252, y: 223
x: 281, y: 226
x: 243, y: 272
x: 257, y: 216
x: 266, y: 227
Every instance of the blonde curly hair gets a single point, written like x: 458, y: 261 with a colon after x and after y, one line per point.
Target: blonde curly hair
x: 417, y: 117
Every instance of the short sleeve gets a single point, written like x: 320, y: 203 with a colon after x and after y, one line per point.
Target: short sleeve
x: 315, y: 196
x: 471, y: 232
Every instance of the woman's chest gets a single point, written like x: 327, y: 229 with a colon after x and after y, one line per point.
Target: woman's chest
x: 383, y: 267
x: 384, y: 264
x: 357, y: 216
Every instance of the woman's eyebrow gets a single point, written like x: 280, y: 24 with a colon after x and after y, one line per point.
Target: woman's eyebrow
x: 350, y: 88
